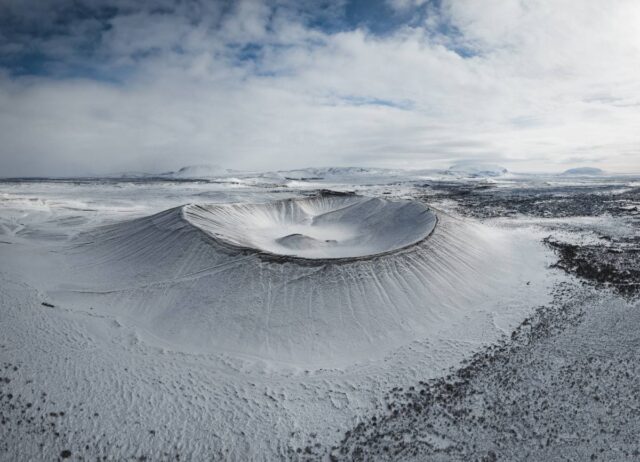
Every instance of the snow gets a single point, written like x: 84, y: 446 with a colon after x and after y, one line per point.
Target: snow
x: 171, y: 318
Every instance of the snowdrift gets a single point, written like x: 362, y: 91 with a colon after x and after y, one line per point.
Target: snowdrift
x: 376, y: 275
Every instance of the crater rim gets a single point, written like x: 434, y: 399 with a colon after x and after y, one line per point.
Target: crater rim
x: 187, y: 212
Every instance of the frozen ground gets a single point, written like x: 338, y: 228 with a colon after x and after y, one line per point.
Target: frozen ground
x: 130, y: 331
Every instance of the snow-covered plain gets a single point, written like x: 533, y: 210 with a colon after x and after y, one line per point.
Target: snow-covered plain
x: 141, y: 327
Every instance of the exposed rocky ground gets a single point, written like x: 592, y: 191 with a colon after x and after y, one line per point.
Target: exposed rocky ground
x: 614, y: 260
x: 564, y: 386
x: 29, y: 413
x: 559, y: 389
x: 606, y: 266
x: 488, y: 201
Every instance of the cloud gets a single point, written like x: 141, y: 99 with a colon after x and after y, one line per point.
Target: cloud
x: 114, y: 86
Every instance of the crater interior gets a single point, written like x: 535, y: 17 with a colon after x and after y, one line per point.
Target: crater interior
x: 319, y: 227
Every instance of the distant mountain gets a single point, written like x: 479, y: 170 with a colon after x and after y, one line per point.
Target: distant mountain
x: 476, y: 170
x: 324, y: 172
x: 198, y: 172
x: 583, y: 171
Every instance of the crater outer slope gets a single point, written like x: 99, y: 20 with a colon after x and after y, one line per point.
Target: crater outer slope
x: 190, y: 290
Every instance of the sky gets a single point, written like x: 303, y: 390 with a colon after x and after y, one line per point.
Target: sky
x: 106, y: 86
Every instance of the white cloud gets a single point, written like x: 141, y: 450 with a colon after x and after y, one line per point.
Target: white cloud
x: 549, y: 83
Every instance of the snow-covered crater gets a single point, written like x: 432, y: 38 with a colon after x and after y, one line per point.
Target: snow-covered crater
x: 319, y: 227
x: 261, y: 282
